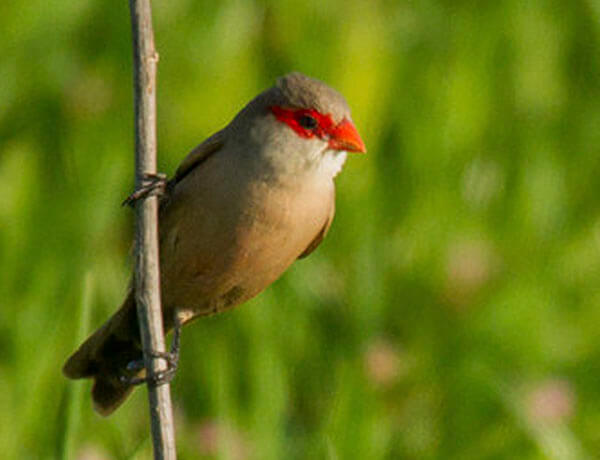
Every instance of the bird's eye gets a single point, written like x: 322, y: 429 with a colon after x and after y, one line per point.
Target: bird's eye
x: 307, y: 122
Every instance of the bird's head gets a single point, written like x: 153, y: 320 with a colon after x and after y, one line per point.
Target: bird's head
x: 314, y: 110
x: 300, y: 121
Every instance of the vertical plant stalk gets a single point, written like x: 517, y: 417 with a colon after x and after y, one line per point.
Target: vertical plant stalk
x: 147, y: 274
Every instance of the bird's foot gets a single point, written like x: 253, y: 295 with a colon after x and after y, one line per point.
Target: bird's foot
x: 157, y: 378
x: 152, y: 184
x: 160, y: 377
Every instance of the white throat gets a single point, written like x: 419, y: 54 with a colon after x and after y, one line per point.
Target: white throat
x: 332, y: 162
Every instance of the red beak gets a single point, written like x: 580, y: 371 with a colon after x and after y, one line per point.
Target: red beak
x: 345, y: 137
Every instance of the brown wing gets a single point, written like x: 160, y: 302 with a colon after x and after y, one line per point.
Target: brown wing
x: 195, y: 158
x: 200, y: 154
x: 170, y: 211
x: 321, y: 235
x: 173, y: 210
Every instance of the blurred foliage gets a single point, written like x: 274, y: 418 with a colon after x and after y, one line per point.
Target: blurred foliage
x: 451, y: 313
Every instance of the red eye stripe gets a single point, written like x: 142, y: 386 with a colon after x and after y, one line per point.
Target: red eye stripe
x: 291, y: 117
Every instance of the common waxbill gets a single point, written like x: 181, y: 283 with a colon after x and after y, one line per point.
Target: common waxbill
x: 243, y: 205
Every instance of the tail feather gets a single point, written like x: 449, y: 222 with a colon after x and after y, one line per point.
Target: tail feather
x: 104, y: 357
x: 108, y: 394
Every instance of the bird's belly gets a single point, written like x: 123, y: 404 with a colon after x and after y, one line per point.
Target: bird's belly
x: 231, y: 248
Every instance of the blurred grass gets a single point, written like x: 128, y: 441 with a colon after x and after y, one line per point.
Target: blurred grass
x: 74, y: 393
x: 452, y: 311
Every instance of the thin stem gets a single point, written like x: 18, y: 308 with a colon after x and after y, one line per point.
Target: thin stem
x: 147, y: 274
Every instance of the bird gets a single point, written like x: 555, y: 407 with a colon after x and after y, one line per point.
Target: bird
x: 241, y: 208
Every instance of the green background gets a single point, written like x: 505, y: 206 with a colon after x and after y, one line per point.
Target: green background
x: 451, y: 313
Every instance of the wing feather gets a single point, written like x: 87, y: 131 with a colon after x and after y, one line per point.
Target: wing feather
x: 197, y: 156
x: 322, y: 233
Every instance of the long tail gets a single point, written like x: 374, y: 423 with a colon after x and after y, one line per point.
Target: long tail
x: 104, y: 357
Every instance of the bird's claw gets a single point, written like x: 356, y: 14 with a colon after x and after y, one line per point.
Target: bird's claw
x: 156, y: 379
x: 152, y: 184
x: 160, y: 377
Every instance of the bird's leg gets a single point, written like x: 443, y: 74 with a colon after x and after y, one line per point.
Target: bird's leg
x: 152, y: 184
x: 171, y: 357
